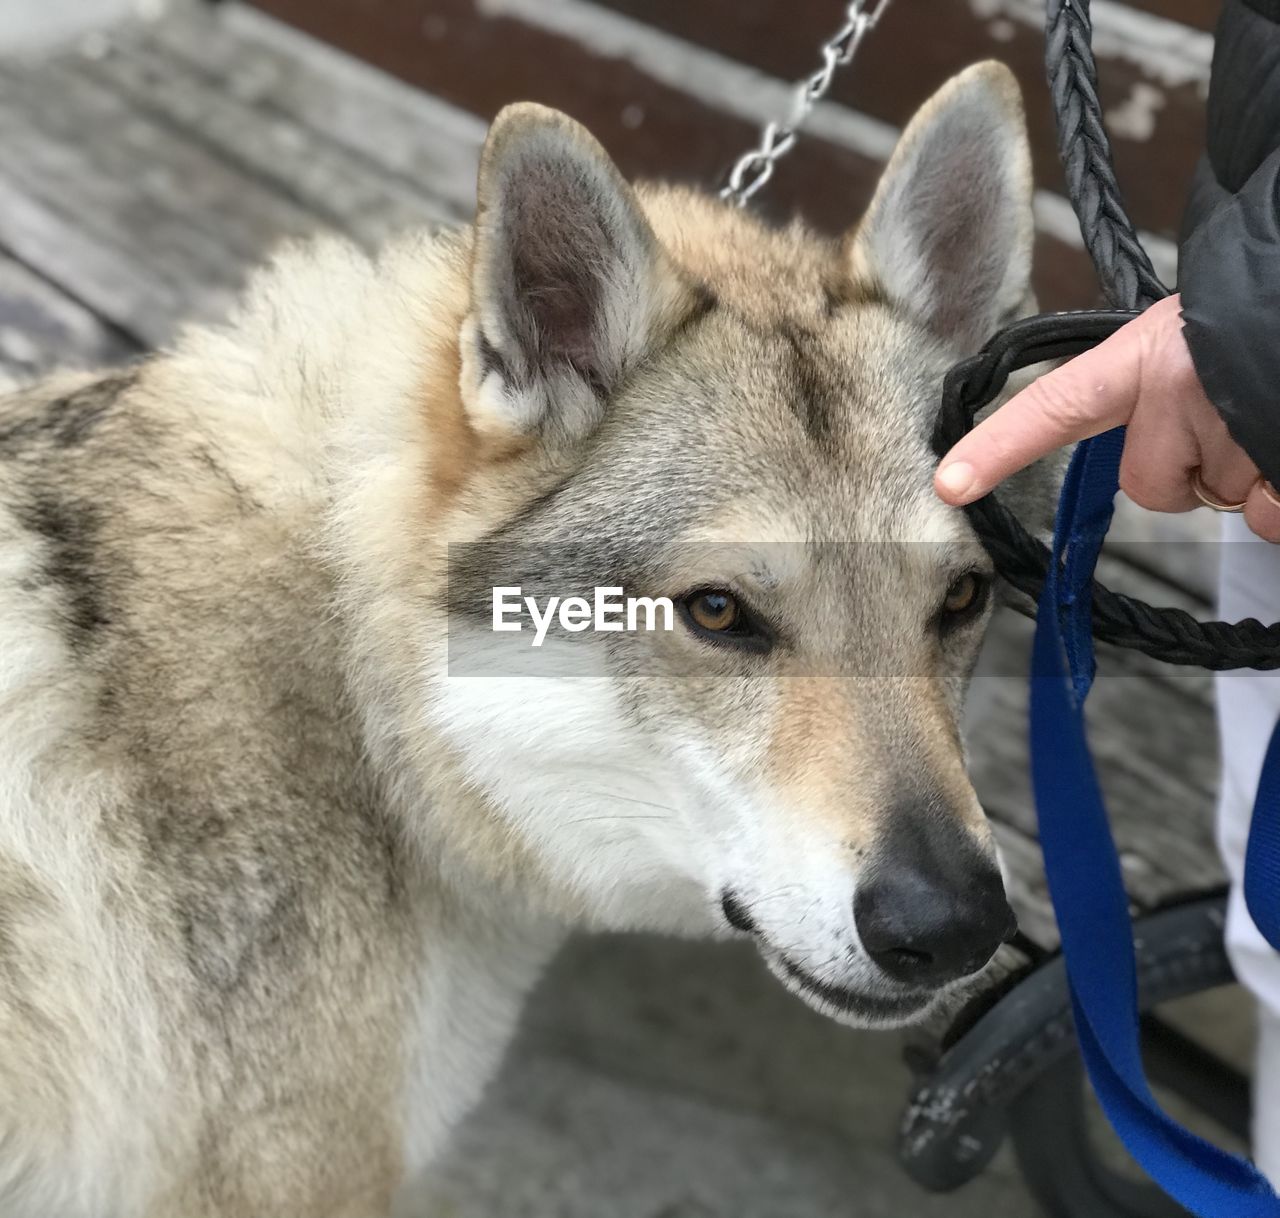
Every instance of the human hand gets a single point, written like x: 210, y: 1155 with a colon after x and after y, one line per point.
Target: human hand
x: 1141, y: 376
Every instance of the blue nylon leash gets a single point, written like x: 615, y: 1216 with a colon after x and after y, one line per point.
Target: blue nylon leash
x: 1084, y: 873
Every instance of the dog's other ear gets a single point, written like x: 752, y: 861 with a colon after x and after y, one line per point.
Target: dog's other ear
x: 569, y: 285
x: 948, y: 234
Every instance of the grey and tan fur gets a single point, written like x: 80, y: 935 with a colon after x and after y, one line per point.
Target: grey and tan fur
x: 272, y: 883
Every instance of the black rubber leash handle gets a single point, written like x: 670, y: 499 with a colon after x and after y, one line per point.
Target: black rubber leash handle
x: 1131, y: 284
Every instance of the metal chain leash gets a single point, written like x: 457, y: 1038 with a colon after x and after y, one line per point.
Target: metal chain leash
x: 753, y: 169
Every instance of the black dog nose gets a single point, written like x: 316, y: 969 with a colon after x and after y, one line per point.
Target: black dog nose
x: 926, y: 928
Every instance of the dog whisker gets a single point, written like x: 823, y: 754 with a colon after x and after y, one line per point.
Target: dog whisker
x: 628, y: 799
x: 584, y: 820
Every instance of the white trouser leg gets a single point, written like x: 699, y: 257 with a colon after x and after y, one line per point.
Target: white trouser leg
x: 1248, y: 708
x: 1266, y: 1096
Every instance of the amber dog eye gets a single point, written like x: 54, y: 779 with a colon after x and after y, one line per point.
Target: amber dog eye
x: 961, y: 594
x: 965, y: 599
x: 720, y: 618
x: 714, y: 611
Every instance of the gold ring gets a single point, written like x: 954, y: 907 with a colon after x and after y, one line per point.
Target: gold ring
x: 1269, y: 492
x: 1206, y: 497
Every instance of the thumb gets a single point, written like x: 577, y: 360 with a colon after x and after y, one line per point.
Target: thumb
x: 1093, y: 393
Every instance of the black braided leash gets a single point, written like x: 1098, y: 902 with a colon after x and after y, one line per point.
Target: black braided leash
x: 1131, y: 284
x: 1128, y: 278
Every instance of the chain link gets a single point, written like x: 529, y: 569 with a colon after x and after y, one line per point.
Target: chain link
x: 753, y: 169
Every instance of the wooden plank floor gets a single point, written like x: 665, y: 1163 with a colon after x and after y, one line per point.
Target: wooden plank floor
x: 678, y: 89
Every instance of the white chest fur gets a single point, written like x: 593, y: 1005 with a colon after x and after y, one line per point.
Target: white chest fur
x: 474, y: 982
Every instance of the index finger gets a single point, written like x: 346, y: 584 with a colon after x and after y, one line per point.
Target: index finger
x: 1089, y: 395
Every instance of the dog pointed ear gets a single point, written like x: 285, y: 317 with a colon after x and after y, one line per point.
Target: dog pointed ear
x: 948, y: 235
x: 569, y: 284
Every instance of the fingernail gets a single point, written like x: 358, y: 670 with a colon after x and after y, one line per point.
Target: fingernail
x: 957, y: 479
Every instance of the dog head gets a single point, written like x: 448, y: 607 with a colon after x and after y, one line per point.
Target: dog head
x: 662, y: 395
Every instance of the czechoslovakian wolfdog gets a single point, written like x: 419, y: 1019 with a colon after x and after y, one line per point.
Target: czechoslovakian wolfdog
x: 273, y: 881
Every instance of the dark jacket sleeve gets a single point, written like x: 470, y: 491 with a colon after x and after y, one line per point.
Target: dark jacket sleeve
x: 1229, y: 274
x: 1230, y: 279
